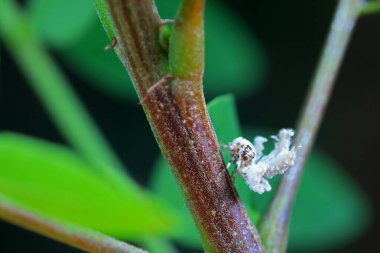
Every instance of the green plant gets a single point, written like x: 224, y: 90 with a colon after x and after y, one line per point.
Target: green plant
x: 60, y: 184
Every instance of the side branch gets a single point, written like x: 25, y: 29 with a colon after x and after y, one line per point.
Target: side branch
x: 274, y: 227
x: 80, y: 238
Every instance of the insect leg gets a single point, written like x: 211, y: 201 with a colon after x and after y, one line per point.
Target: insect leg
x: 233, y: 175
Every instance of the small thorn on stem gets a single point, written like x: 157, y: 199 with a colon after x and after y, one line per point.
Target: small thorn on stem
x: 160, y: 82
x: 113, y: 45
x: 165, y: 21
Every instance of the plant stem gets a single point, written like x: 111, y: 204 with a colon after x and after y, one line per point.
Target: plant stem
x: 56, y: 94
x: 84, y: 239
x: 274, y: 226
x: 177, y: 113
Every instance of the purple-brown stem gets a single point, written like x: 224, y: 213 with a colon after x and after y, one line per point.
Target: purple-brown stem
x: 177, y: 114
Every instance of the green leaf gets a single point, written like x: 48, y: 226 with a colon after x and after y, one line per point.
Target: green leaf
x: 330, y: 208
x: 164, y: 185
x: 102, y: 68
x: 224, y: 117
x: 234, y: 58
x: 54, y: 182
x: 61, y: 22
x: 223, y: 114
x: 371, y: 7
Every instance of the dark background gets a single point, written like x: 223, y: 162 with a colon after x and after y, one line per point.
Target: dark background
x: 292, y: 33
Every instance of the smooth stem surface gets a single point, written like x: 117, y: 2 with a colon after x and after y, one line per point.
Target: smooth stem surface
x: 177, y: 113
x: 55, y: 92
x: 274, y: 227
x: 84, y: 239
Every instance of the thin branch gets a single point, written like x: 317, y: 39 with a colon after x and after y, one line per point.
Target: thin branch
x: 177, y: 113
x: 274, y: 227
x: 74, y: 236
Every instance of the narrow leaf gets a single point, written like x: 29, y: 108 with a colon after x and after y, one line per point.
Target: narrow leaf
x: 102, y: 69
x: 52, y: 20
x: 53, y: 181
x: 223, y: 114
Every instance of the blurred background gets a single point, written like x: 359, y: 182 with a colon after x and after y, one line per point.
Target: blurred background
x: 264, y: 53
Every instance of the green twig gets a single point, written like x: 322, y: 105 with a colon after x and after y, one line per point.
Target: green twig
x: 274, y: 226
x: 84, y: 239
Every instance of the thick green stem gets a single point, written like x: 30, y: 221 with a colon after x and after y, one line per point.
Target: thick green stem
x: 274, y: 226
x: 186, y: 51
x: 177, y: 113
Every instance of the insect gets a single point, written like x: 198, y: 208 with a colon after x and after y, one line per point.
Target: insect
x: 256, y: 168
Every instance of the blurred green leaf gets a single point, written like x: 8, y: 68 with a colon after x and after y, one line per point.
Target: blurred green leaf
x: 102, y: 68
x: 371, y: 7
x: 61, y: 22
x: 233, y: 56
x: 224, y: 117
x: 330, y: 208
x: 53, y: 181
x: 223, y: 114
x: 164, y: 184
x: 234, y: 59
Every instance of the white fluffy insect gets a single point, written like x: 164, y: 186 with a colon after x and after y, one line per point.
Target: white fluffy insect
x: 256, y: 168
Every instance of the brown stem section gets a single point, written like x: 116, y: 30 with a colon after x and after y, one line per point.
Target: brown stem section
x: 177, y: 113
x: 274, y: 227
x: 84, y: 239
